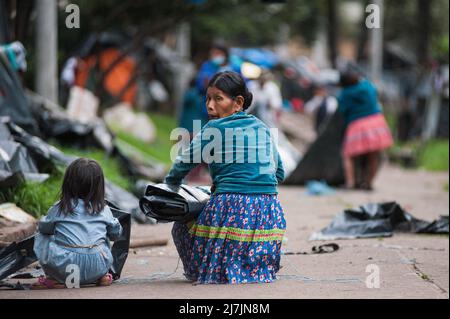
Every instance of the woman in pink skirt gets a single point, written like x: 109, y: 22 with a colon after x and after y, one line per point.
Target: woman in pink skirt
x: 367, y: 133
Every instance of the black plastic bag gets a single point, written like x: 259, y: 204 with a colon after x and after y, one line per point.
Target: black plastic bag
x: 121, y: 245
x: 16, y: 256
x: 55, y: 123
x: 16, y: 164
x: 378, y: 220
x: 170, y: 203
x: 45, y: 155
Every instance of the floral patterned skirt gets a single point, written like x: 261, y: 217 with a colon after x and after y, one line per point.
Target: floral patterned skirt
x: 236, y: 239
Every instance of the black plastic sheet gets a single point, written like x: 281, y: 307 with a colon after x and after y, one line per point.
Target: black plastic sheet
x: 44, y: 154
x: 16, y: 256
x: 169, y: 203
x: 54, y: 123
x: 13, y: 101
x: 323, y: 160
x: 121, y: 245
x: 16, y: 162
x: 378, y: 220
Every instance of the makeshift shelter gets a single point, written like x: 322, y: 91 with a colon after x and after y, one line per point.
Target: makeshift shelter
x: 117, y: 72
x: 322, y: 161
x: 13, y: 101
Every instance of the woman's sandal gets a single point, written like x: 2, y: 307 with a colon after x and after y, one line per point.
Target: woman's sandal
x: 46, y: 283
x: 106, y: 280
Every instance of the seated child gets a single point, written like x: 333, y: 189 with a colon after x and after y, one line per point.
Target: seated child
x: 77, y: 229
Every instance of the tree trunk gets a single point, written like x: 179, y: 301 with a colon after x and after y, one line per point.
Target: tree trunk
x: 424, y: 23
x: 333, y: 31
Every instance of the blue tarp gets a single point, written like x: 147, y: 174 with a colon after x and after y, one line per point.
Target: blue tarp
x: 261, y: 57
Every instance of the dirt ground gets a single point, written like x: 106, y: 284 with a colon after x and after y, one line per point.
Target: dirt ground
x: 410, y: 265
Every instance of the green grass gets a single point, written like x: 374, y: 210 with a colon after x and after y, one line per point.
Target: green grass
x: 35, y: 198
x: 434, y: 156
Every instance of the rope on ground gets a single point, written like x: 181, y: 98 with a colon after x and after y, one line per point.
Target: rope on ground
x: 162, y: 275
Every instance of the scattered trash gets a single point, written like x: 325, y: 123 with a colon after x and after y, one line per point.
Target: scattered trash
x: 17, y: 286
x: 29, y: 274
x: 82, y: 105
x: 54, y: 122
x: 16, y: 54
x: 321, y: 249
x: 378, y: 220
x: 42, y: 153
x: 16, y: 256
x: 122, y: 117
x: 158, y: 91
x: 16, y: 164
x: 439, y: 226
x: 169, y: 203
x: 13, y: 213
x: 318, y: 188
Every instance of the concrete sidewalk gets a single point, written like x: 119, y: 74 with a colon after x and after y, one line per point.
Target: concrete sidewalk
x: 410, y: 266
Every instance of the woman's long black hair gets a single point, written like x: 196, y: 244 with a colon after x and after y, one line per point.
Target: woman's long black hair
x: 83, y: 180
x: 233, y: 85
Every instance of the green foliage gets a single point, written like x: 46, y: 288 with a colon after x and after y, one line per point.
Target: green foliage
x: 253, y: 23
x: 34, y: 198
x: 434, y: 156
x: 440, y: 47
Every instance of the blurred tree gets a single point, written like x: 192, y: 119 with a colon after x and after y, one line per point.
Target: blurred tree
x: 420, y: 25
x: 424, y: 20
x: 253, y: 22
x: 333, y: 31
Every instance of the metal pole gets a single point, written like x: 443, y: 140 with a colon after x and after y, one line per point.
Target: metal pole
x: 184, y: 71
x: 376, y: 63
x: 46, y: 79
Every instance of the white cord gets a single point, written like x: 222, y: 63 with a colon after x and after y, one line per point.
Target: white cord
x: 163, y: 275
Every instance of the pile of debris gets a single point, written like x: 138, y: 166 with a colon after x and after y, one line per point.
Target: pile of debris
x: 27, y: 121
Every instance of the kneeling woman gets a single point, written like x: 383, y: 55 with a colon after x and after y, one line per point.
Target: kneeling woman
x: 237, y: 237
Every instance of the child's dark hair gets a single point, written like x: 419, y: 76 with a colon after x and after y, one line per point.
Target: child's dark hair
x: 233, y: 85
x: 83, y: 180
